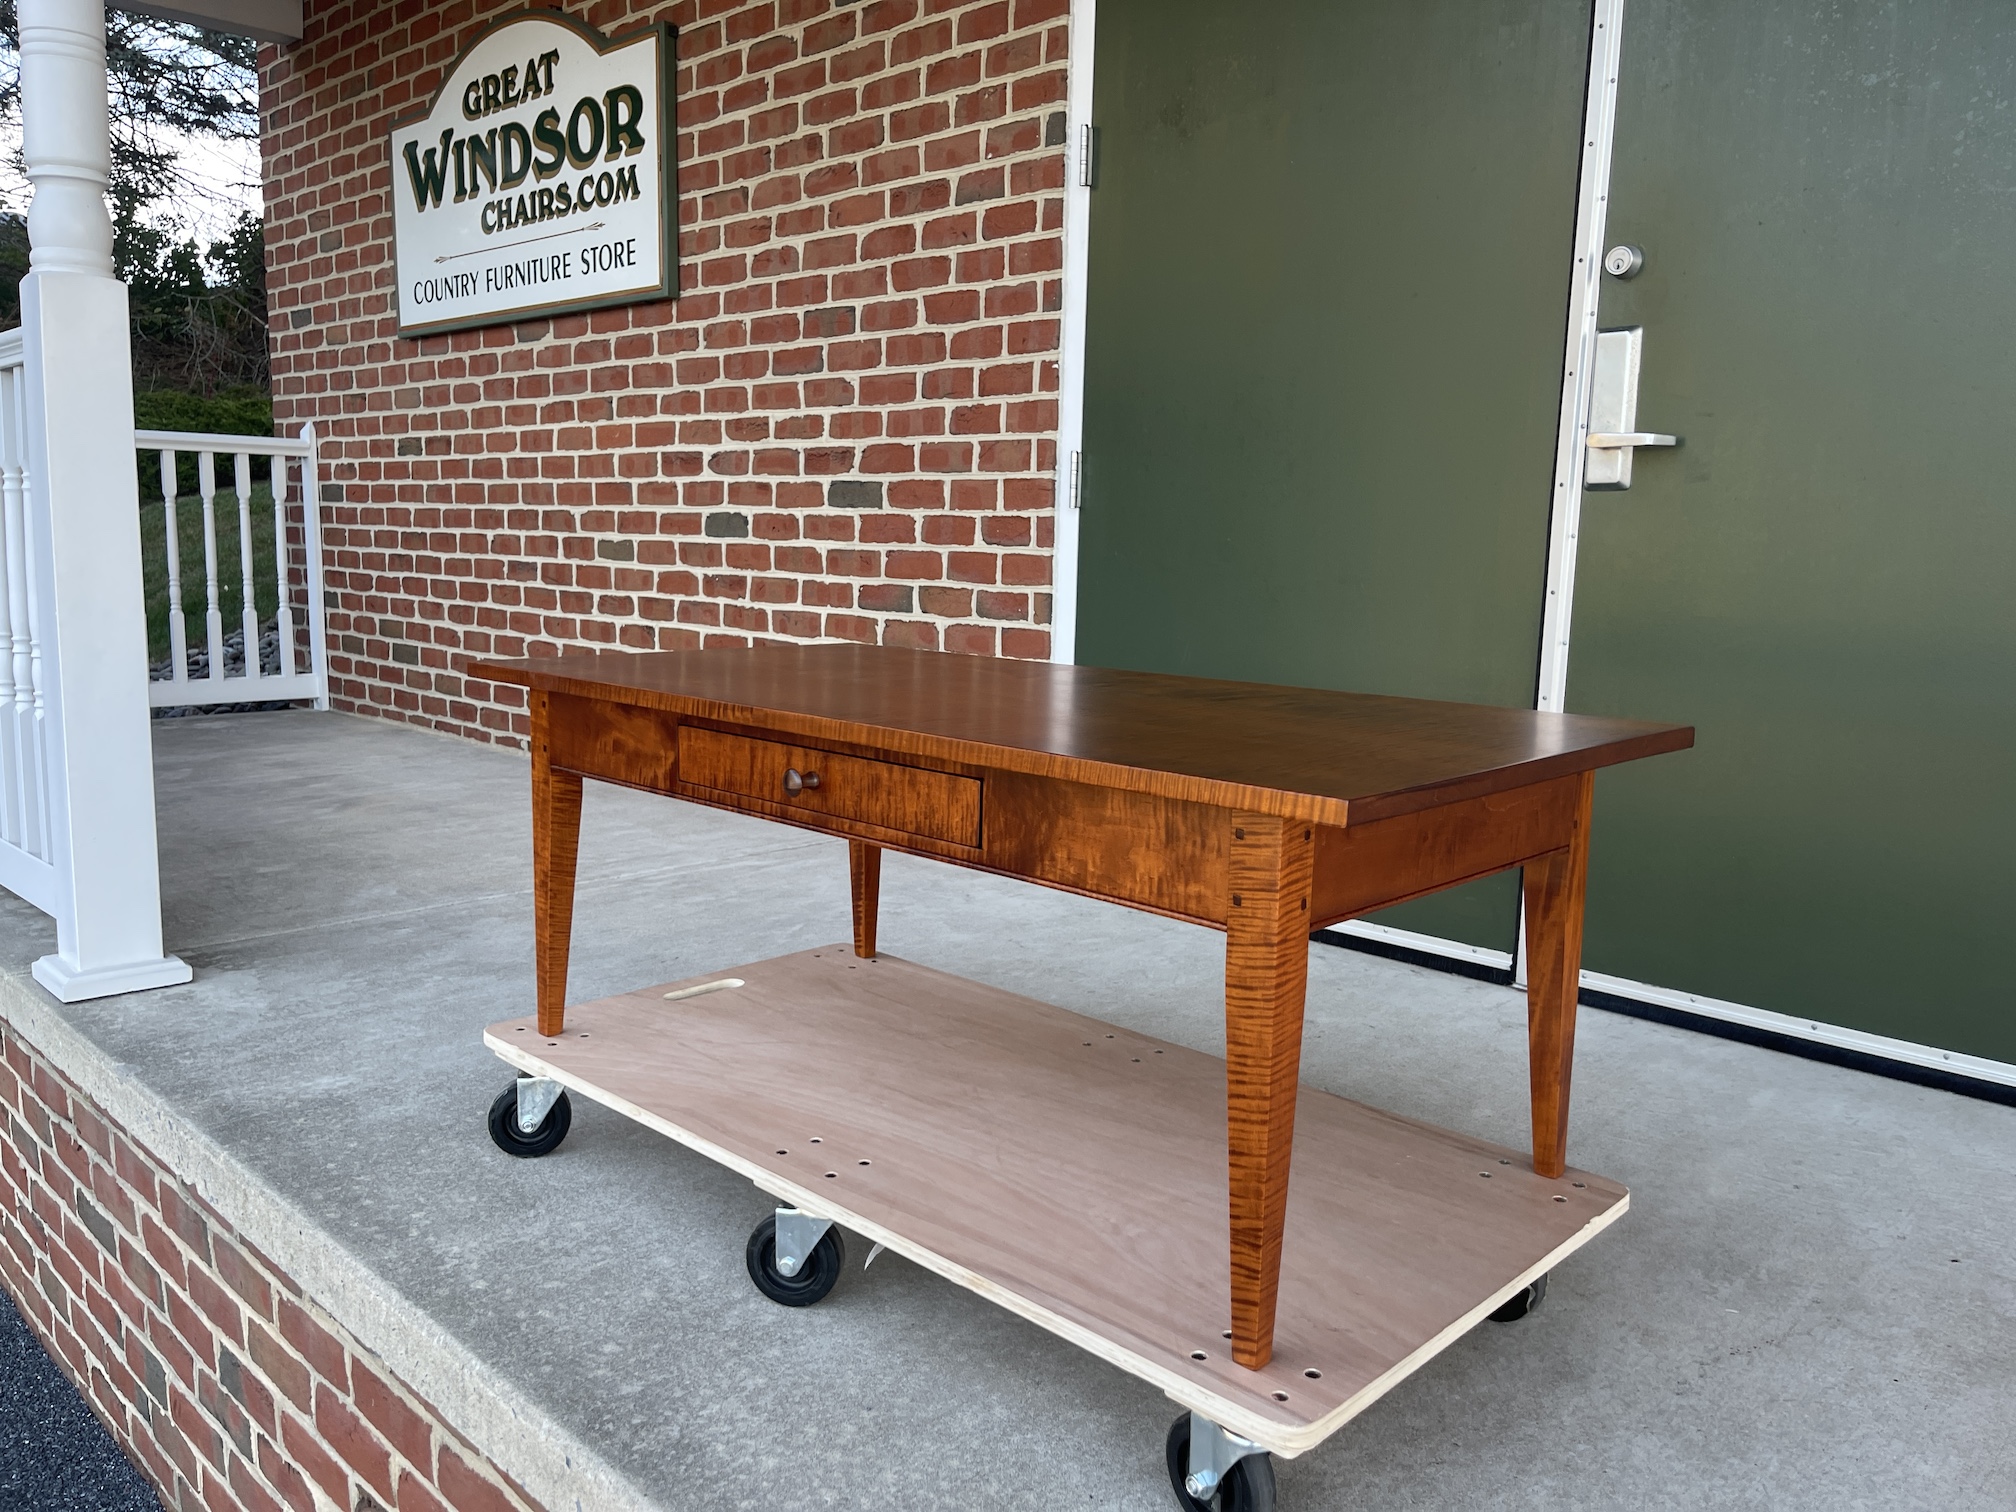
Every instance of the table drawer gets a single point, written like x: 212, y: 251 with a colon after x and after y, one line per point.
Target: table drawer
x: 911, y: 800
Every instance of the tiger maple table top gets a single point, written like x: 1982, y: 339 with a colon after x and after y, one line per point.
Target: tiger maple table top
x: 1304, y: 753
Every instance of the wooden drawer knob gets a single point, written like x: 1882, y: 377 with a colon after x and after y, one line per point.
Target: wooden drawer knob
x: 796, y: 782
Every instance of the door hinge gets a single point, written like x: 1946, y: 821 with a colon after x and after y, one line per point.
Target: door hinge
x: 1085, y: 156
x: 1077, y: 475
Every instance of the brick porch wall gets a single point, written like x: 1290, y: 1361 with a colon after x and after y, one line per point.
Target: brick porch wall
x: 843, y: 429
x: 219, y: 1379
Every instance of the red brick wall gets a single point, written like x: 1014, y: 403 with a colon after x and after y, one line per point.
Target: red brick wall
x: 219, y: 1379
x: 844, y: 428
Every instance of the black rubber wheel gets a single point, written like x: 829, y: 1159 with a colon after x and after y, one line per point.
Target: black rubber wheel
x: 543, y: 1140
x: 1522, y: 1302
x: 815, y: 1277
x: 1249, y: 1487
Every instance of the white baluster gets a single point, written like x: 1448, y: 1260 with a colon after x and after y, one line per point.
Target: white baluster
x: 213, y: 618
x: 31, y: 711
x: 13, y: 814
x: 24, y: 753
x: 311, y: 541
x: 249, y: 611
x: 283, y: 613
x: 178, y: 624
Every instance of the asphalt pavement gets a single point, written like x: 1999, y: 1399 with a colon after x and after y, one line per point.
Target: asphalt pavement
x: 54, y: 1455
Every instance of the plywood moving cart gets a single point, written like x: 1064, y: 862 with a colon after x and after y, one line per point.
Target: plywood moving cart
x: 1130, y: 1195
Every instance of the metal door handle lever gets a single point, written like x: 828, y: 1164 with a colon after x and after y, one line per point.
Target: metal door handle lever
x: 1613, y: 437
x: 1615, y: 440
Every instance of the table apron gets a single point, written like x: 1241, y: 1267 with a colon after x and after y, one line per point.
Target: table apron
x: 1161, y: 855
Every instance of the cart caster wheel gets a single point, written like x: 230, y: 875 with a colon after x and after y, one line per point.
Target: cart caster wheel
x: 815, y: 1277
x: 543, y: 1140
x: 1247, y: 1487
x: 1522, y: 1302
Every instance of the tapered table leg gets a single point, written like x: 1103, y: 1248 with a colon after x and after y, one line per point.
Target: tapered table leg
x: 556, y: 842
x: 1266, y: 973
x: 864, y: 882
x: 1554, y: 887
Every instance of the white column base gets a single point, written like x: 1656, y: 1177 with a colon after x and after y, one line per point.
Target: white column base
x: 70, y: 984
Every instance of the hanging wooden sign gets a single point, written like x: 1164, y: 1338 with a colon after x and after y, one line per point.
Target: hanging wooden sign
x: 539, y: 179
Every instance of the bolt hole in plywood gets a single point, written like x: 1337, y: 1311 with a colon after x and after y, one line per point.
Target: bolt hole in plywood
x: 1390, y: 1255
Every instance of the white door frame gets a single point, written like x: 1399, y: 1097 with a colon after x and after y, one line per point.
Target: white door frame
x: 1071, y: 360
x: 1585, y: 290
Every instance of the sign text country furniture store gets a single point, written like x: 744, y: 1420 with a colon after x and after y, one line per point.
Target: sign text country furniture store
x: 844, y: 425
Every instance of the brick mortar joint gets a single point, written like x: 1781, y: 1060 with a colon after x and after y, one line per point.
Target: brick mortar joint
x: 462, y: 1397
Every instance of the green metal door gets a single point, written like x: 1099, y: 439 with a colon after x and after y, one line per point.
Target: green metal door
x: 1329, y: 270
x: 1823, y: 577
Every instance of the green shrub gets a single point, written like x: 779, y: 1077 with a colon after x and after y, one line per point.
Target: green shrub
x: 235, y: 412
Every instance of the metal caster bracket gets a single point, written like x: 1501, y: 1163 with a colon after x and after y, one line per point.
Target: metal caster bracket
x: 1213, y: 1453
x: 798, y: 1234
x: 536, y: 1096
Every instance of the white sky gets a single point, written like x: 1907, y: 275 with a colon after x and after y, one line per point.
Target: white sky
x: 223, y: 179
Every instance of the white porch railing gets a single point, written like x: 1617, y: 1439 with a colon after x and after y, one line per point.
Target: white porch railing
x: 27, y: 864
x: 302, y: 662
x: 92, y: 868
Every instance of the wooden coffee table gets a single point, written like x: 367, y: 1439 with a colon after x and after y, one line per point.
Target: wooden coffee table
x: 1131, y: 1195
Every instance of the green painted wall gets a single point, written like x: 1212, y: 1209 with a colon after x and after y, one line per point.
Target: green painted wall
x: 1327, y: 297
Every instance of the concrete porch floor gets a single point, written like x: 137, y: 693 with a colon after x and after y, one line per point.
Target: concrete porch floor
x: 1812, y: 1302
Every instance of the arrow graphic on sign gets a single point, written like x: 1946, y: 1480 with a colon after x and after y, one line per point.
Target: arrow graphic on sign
x: 523, y: 241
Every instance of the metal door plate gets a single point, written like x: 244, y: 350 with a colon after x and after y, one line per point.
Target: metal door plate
x: 1613, y: 406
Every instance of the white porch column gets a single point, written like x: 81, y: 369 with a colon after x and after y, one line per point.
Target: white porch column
x: 83, y: 494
